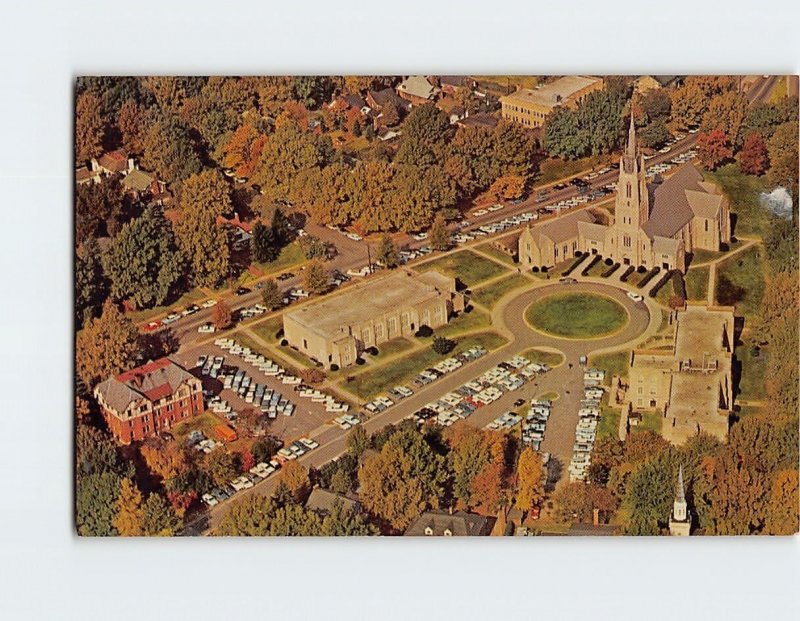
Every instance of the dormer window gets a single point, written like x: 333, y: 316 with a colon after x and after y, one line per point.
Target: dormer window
x: 448, y: 532
x: 428, y: 530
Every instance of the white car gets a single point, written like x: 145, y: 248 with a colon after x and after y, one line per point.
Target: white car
x: 173, y: 316
x: 420, y: 236
x: 206, y: 328
x: 209, y: 500
x: 479, y: 212
x: 635, y: 296
x: 209, y: 303
x: 353, y: 236
x: 496, y: 207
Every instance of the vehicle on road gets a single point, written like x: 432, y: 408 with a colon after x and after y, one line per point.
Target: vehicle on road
x: 209, y: 303
x: 241, y: 291
x: 566, y: 280
x: 353, y: 236
x: 419, y: 236
x: 173, y: 316
x: 152, y: 326
x: 206, y: 328
x: 559, y: 186
x: 479, y: 212
x: 285, y: 276
x: 495, y: 207
x: 635, y: 296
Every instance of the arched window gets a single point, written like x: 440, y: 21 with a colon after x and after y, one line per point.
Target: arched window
x: 628, y: 190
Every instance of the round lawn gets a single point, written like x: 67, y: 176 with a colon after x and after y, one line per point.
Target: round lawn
x: 577, y: 315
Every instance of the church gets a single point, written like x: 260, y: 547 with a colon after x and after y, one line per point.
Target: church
x: 655, y: 224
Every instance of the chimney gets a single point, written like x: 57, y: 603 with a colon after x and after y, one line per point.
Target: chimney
x: 131, y: 164
x: 596, y: 517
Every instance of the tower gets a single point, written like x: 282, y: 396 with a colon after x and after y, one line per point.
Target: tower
x: 632, y: 204
x: 680, y: 522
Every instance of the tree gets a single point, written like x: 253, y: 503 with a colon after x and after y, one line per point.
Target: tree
x: 655, y: 134
x: 159, y: 518
x: 143, y: 261
x: 563, y: 135
x: 165, y: 459
x: 91, y: 285
x: 221, y: 466
x: 401, y: 481
x: 262, y: 244
x: 426, y: 133
x: 203, y: 198
x: 726, y: 112
x: 713, y: 149
x: 242, y: 151
x: 313, y: 91
x: 782, y: 509
x: 222, y: 316
x: 656, y: 104
x: 530, y: 475
x: 439, y: 236
x: 341, y: 482
x: 281, y: 227
x: 508, y: 187
x: 753, y: 156
x: 295, y: 476
x: 106, y: 346
x: 169, y: 151
x: 249, y: 517
x: 315, y: 277
x: 271, y: 295
x: 341, y: 522
x: 264, y: 449
x: 129, y: 516
x: 782, y: 149
x: 89, y: 127
x: 388, y: 254
x: 99, y: 207
x: 131, y: 124
x: 442, y: 345
x: 469, y: 452
x: 357, y: 441
x: 690, y: 101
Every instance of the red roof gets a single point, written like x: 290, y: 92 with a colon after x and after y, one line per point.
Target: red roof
x: 115, y: 161
x: 145, y: 369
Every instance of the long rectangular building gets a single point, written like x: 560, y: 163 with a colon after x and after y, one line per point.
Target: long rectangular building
x: 336, y: 330
x: 530, y: 106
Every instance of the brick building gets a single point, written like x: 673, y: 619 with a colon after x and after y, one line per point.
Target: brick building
x: 149, y: 399
x: 530, y: 106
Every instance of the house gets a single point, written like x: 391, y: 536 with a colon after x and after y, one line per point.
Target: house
x: 530, y: 106
x: 646, y: 83
x: 451, y: 83
x: 445, y: 524
x: 337, y: 329
x: 376, y: 100
x: 113, y: 163
x: 85, y: 175
x: 655, y: 224
x: 457, y: 113
x: 417, y: 89
x: 508, y: 244
x: 323, y: 501
x: 149, y: 399
x: 146, y: 187
x: 479, y: 119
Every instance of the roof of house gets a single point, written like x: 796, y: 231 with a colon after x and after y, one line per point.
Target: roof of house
x: 388, y: 95
x: 592, y: 530
x: 678, y: 199
x: 417, y: 86
x: 560, y: 229
x: 137, y: 180
x: 152, y: 381
x: 510, y: 243
x: 552, y: 94
x: 480, y: 119
x: 354, y: 101
x: 323, y: 501
x: 459, y: 524
x: 665, y: 245
x: 115, y: 161
x: 84, y: 174
x: 332, y: 317
x: 454, y: 80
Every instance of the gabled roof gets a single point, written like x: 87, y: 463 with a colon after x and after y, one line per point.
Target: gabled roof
x: 665, y: 245
x: 459, y: 524
x: 454, y: 80
x: 388, y: 95
x: 152, y: 381
x: 560, y: 229
x: 418, y: 86
x: 137, y: 180
x: 480, y: 119
x: 114, y: 161
x: 593, y: 231
x: 671, y: 210
x: 323, y: 501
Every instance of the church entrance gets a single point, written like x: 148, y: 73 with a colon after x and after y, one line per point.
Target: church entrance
x: 626, y: 261
x: 665, y: 265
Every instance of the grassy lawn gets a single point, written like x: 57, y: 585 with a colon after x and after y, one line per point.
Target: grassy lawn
x: 465, y: 322
x: 205, y: 423
x: 494, y: 251
x: 466, y: 266
x: 290, y: 256
x: 488, y: 295
x: 552, y: 359
x: 651, y: 421
x: 548, y: 396
x: 577, y: 315
x: 395, y: 346
x: 182, y: 302
x: 613, y: 364
x: 608, y: 427
x: 742, y: 192
x: 740, y: 282
x: 268, y: 328
x: 749, y: 410
x: 401, y: 370
x: 697, y: 283
x: 555, y: 169
x: 753, y: 368
x: 598, y: 268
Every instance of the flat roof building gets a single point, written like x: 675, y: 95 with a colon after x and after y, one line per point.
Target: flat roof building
x: 530, y: 106
x: 336, y: 330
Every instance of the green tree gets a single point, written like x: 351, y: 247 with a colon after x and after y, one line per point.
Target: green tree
x: 221, y: 466
x: 248, y: 517
x: 426, y: 133
x: 442, y: 345
x: 563, y: 135
x: 357, y: 441
x: 169, y: 150
x: 159, y: 518
x: 726, y: 112
x: 315, y: 277
x: 263, y: 245
x: 657, y: 105
x: 89, y: 127
x: 271, y: 295
x: 313, y: 91
x: 341, y: 522
x: 129, y: 516
x: 91, y: 285
x: 388, y: 254
x: 106, y: 346
x: 203, y: 198
x: 655, y: 134
x: 143, y: 261
x: 281, y: 228
x: 439, y: 235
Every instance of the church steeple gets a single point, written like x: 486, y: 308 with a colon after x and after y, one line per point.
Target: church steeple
x: 680, y: 496
x: 680, y: 522
x: 631, y: 146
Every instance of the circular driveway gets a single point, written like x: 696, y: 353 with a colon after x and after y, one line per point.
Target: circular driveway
x: 526, y: 337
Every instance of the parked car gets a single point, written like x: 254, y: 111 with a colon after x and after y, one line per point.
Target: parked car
x: 285, y: 276
x: 567, y: 280
x: 635, y: 296
x: 209, y: 303
x: 206, y: 328
x: 242, y: 291
x: 152, y: 326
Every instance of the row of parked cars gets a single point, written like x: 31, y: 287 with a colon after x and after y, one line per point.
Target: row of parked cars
x: 586, y: 429
x: 487, y: 388
x: 535, y: 423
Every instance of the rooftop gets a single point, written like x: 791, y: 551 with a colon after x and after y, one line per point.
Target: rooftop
x: 152, y: 381
x: 323, y: 501
x: 442, y: 523
x: 332, y: 317
x: 552, y: 94
x: 137, y: 180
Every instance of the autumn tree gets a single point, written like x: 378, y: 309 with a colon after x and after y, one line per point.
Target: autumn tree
x: 315, y: 277
x: 271, y: 295
x: 388, y: 254
x: 690, y: 101
x: 221, y: 466
x: 99, y: 208
x: 242, y: 151
x: 439, y: 235
x: 726, y: 112
x: 129, y: 516
x: 530, y: 475
x: 782, y: 507
x: 165, y: 459
x: 91, y: 284
x: 89, y: 127
x: 357, y: 441
x: 508, y: 187
x: 295, y: 476
x: 489, y: 489
x: 782, y: 148
x: 222, y: 316
x: 132, y: 125
x: 401, y: 481
x: 713, y: 149
x: 169, y: 151
x: 159, y: 518
x: 469, y: 453
x: 203, y: 198
x: 753, y: 156
x: 143, y: 261
x: 106, y: 346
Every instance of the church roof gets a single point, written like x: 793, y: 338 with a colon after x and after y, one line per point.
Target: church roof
x: 592, y: 230
x: 561, y: 229
x: 665, y: 245
x: 671, y: 209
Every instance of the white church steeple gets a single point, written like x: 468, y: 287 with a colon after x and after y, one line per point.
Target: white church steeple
x: 680, y: 522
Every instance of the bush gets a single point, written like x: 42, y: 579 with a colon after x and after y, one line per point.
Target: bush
x: 334, y: 367
x: 360, y: 361
x: 424, y: 331
x: 641, y: 269
x: 585, y: 270
x: 372, y: 351
x: 678, y: 285
x: 661, y: 282
x: 544, y: 269
x: 609, y: 261
x: 627, y: 273
x: 648, y: 277
x: 578, y: 253
x: 575, y: 263
x: 284, y: 342
x: 535, y: 268
x: 610, y: 271
x: 442, y: 345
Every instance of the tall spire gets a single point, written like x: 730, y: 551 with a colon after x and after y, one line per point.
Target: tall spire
x: 679, y: 493
x: 631, y: 150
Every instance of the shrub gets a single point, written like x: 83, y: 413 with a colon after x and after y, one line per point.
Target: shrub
x: 575, y: 263
x: 610, y: 271
x: 334, y: 367
x: 313, y: 376
x: 442, y: 345
x: 424, y: 331
x: 661, y: 282
x: 535, y: 268
x: 678, y: 285
x: 372, y: 351
x: 641, y: 269
x: 360, y: 361
x: 627, y: 273
x: 544, y: 269
x: 284, y: 342
x: 609, y: 261
x: 648, y: 277
x: 585, y: 270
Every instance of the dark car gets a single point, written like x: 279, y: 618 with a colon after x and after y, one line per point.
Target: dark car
x: 285, y: 276
x: 559, y: 186
x: 578, y: 182
x: 519, y: 403
x: 242, y: 291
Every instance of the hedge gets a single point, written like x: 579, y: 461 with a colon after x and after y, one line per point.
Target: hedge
x: 575, y: 264
x: 679, y: 285
x: 610, y: 270
x: 585, y: 270
x: 648, y: 277
x: 627, y: 273
x: 661, y: 282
